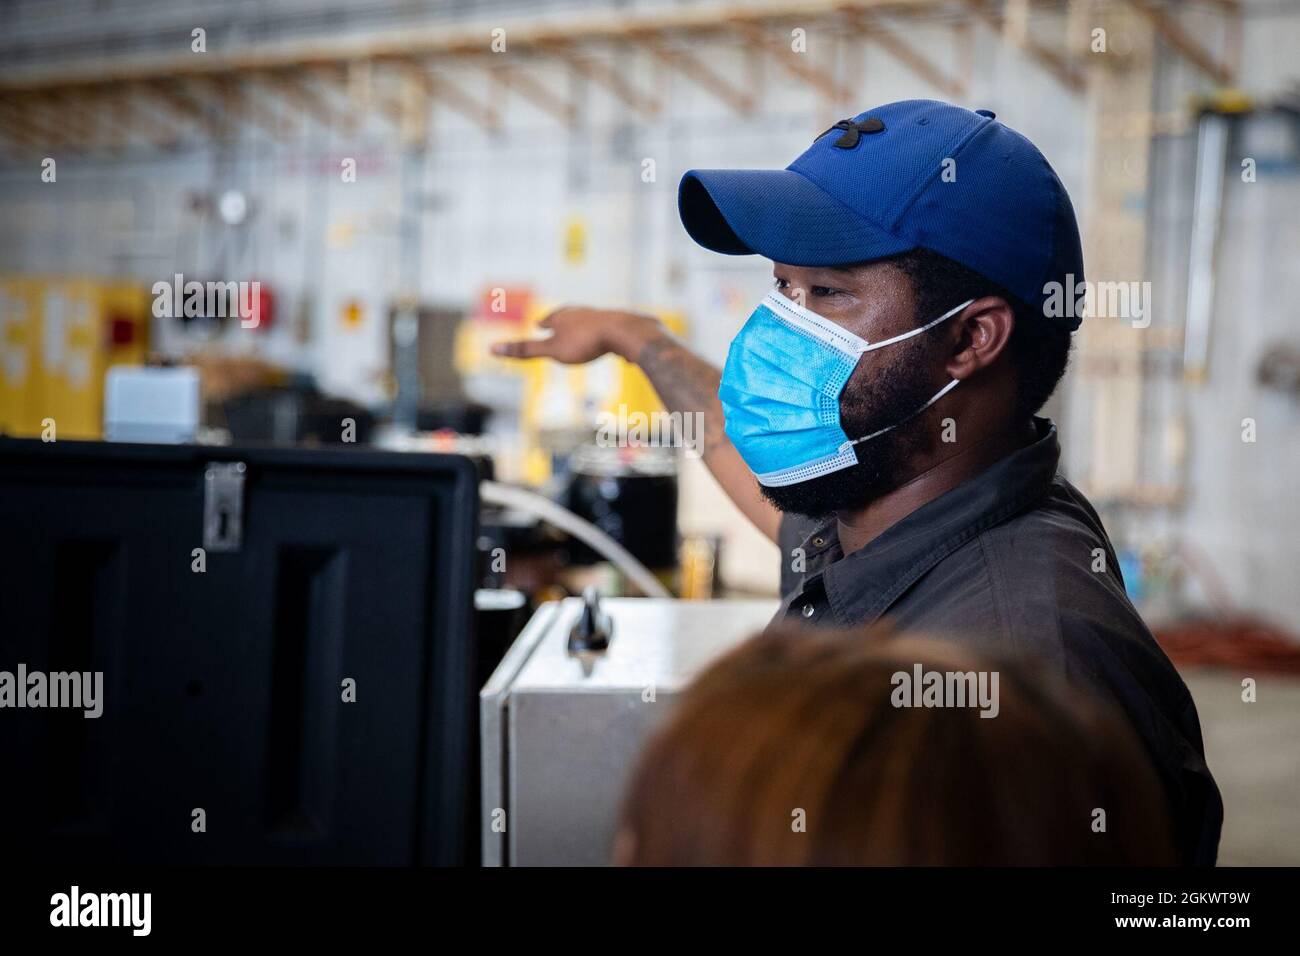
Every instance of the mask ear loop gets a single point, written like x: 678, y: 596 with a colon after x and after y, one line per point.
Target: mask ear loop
x: 937, y: 395
x: 934, y: 398
x: 917, y: 331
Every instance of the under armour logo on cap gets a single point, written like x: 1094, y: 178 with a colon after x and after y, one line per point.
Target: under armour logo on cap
x: 853, y: 131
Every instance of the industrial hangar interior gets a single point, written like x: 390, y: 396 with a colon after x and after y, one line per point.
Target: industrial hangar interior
x: 661, y: 431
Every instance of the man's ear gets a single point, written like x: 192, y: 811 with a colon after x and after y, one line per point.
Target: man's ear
x: 985, y: 328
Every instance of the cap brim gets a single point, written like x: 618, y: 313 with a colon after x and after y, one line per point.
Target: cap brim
x: 779, y: 214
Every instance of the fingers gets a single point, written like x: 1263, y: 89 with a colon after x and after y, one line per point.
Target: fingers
x: 531, y: 348
x: 536, y: 348
x: 523, y: 348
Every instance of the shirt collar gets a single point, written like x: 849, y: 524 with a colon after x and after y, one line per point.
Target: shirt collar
x: 861, y: 586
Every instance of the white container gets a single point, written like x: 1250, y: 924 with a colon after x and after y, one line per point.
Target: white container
x: 152, y: 405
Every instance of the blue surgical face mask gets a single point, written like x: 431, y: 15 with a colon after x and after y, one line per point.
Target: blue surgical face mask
x: 781, y: 390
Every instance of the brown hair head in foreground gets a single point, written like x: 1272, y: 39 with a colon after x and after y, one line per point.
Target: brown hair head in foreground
x: 790, y: 751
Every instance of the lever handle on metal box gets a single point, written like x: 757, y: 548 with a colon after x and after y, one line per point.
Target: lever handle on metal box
x: 592, y: 633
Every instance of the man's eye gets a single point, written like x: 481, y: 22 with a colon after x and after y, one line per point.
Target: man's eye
x: 817, y: 291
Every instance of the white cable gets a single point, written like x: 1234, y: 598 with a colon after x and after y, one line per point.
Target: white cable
x: 542, y: 507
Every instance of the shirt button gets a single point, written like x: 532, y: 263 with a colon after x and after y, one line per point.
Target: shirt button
x: 808, y: 610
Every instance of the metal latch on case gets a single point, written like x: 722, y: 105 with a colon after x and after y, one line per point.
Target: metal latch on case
x: 223, y: 506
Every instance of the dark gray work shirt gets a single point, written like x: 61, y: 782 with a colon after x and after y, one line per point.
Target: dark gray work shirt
x: 1004, y: 562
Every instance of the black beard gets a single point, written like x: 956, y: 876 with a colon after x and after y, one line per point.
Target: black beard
x: 889, y: 397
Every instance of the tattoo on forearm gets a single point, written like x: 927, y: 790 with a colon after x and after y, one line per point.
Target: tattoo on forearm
x: 686, y: 383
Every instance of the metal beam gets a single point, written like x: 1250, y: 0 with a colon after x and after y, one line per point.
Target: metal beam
x: 438, y: 89
x: 1173, y: 33
x: 179, y: 103
x: 1053, y: 62
x: 56, y: 104
x: 529, y: 34
x: 483, y: 113
x: 695, y: 69
x: 295, y: 87
x: 796, y: 64
x: 596, y: 68
x: 23, y: 112
x: 18, y: 127
x: 537, y: 94
x: 583, y: 41
x: 893, y: 44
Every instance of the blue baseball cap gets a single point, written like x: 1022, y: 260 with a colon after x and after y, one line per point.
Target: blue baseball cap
x: 906, y: 175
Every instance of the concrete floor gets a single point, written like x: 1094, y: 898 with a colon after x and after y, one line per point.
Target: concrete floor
x: 1254, y: 753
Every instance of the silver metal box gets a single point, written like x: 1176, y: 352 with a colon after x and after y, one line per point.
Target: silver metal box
x: 558, y: 742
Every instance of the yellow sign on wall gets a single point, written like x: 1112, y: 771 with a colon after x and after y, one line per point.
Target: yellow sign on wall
x: 19, y: 344
x: 575, y: 241
x: 58, y: 338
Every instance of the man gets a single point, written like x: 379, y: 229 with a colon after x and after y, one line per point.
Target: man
x: 884, y: 396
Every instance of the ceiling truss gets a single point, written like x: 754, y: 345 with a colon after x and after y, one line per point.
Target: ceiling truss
x: 398, y: 78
